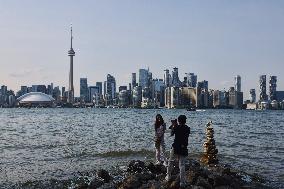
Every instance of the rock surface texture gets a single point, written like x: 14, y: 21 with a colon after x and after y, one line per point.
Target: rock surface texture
x: 146, y: 175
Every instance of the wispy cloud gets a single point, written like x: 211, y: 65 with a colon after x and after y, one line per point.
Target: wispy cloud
x: 26, y: 72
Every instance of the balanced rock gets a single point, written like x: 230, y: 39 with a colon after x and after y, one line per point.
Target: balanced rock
x: 210, y: 152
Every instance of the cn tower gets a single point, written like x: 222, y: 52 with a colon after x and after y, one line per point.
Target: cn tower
x: 71, y: 53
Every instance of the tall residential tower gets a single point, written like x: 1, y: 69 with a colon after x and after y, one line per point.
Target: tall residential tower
x: 71, y: 53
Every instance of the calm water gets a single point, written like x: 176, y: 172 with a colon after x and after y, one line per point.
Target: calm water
x: 42, y: 144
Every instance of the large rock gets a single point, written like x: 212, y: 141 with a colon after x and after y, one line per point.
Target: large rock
x: 145, y: 176
x: 95, y: 183
x: 203, y: 182
x: 104, y: 175
x: 151, y: 185
x: 136, y: 166
x: 156, y: 169
x: 107, y: 186
x: 131, y: 182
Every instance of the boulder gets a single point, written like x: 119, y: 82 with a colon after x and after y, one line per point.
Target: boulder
x: 156, y: 169
x: 95, y: 183
x: 107, y: 186
x: 136, y: 166
x: 131, y: 182
x: 104, y: 175
x: 203, y: 182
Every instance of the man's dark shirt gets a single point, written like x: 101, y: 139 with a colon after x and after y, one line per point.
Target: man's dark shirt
x: 181, y: 133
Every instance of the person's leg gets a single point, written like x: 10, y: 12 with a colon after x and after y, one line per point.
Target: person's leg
x: 182, y: 170
x: 158, y: 152
x: 170, y: 165
x: 163, y: 151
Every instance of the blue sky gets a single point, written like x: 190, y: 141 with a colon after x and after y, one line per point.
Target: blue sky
x: 214, y: 39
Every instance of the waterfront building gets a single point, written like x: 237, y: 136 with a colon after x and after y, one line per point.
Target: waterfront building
x: 167, y: 78
x: 137, y: 96
x: 49, y: 89
x: 122, y: 88
x: 97, y: 99
x: 175, y: 78
x: 100, y: 86
x: 274, y: 105
x: 93, y: 91
x: 84, y: 89
x: 158, y: 92
x: 220, y: 99
x: 71, y: 54
x: 191, y: 80
x: 124, y: 98
x: 130, y: 86
x: 188, y: 97
x: 252, y: 106
x: 235, y: 98
x: 143, y: 78
x: 35, y: 99
x: 12, y: 100
x: 39, y: 88
x: 133, y: 80
x: 4, y: 90
x: 30, y: 89
x: 280, y: 95
x: 24, y: 90
x: 252, y: 96
x: 56, y: 93
x: 232, y: 97
x: 262, y: 88
x: 63, y: 91
x: 172, y: 97
x: 202, y: 94
x: 210, y: 98
x: 238, y: 83
x: 282, y: 105
x: 110, y: 90
x: 272, y: 87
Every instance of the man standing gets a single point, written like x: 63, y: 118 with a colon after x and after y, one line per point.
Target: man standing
x: 179, y: 148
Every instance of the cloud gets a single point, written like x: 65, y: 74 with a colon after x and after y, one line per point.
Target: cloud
x: 26, y: 72
x: 22, y: 73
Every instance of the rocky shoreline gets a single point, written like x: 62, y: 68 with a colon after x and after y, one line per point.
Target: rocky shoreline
x: 146, y: 175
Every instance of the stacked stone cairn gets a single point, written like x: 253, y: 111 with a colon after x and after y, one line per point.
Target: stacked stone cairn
x: 209, y: 156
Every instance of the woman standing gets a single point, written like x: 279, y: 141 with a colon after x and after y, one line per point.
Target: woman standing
x: 160, y: 128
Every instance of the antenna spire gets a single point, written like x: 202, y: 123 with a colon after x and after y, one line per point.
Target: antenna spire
x: 71, y: 36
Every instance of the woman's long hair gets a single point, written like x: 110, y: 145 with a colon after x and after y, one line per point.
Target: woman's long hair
x: 158, y: 122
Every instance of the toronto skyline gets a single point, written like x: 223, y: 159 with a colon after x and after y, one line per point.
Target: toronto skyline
x: 216, y: 40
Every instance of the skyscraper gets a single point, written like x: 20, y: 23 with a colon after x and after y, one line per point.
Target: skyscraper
x: 100, y: 86
x: 252, y: 96
x: 93, y: 92
x: 175, y: 81
x: 167, y: 77
x: 133, y: 82
x: 71, y: 53
x: 238, y: 83
x: 110, y: 89
x: 262, y: 88
x: 143, y: 78
x: 191, y: 80
x: 272, y: 88
x: 84, y: 89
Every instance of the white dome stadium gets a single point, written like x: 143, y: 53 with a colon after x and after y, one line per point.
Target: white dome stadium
x: 35, y: 98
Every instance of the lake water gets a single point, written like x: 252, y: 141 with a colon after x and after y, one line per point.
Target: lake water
x: 44, y: 144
